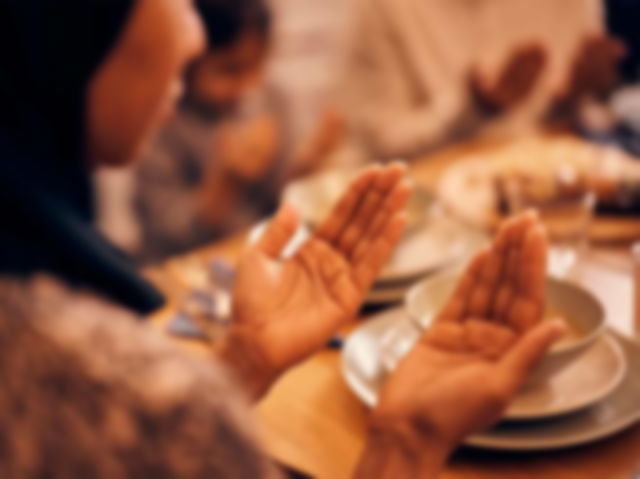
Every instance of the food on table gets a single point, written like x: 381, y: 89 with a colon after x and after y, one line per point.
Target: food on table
x: 543, y: 169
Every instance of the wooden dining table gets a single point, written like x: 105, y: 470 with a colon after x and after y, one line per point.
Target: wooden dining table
x: 311, y: 421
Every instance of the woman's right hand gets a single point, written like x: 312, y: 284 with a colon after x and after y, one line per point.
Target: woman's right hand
x: 469, y: 365
x: 286, y: 309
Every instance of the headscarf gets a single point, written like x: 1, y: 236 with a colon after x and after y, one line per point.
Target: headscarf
x: 49, y: 50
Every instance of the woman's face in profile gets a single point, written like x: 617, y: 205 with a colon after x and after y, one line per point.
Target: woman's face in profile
x: 136, y: 88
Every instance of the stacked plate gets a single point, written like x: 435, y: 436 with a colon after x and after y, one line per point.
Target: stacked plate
x: 594, y: 396
x: 439, y: 242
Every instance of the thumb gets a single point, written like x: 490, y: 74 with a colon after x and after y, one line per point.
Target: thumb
x: 527, y: 353
x: 279, y: 232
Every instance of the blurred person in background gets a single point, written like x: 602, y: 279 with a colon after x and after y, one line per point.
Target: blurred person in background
x: 615, y: 120
x: 216, y: 165
x: 220, y: 163
x: 622, y: 21
x: 223, y: 136
x: 120, y: 81
x: 422, y: 74
x: 74, y: 356
x: 309, y: 41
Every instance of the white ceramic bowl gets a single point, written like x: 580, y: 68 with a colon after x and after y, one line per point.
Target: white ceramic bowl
x: 426, y: 299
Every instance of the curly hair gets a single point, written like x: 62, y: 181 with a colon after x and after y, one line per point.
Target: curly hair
x: 96, y: 398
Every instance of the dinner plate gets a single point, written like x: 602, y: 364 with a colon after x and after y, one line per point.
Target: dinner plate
x: 315, y: 196
x: 587, y: 381
x: 432, y: 240
x: 414, y: 258
x: 438, y: 244
x: 614, y: 406
x: 583, y: 383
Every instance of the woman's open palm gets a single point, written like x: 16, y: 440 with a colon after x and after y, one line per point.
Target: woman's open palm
x: 289, y: 308
x: 472, y: 361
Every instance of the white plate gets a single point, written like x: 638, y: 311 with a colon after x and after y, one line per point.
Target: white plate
x: 589, y: 380
x: 440, y: 244
x: 432, y: 242
x: 364, y: 373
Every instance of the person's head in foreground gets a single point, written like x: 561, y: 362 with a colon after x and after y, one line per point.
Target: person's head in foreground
x: 81, y: 400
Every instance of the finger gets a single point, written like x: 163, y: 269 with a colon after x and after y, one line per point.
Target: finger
x: 447, y: 336
x: 482, y: 298
x: 527, y: 304
x: 532, y: 63
x: 531, y: 274
x: 518, y: 364
x: 368, y: 268
x: 370, y: 204
x: 279, y: 232
x: 512, y: 231
x: 488, y: 339
x: 523, y: 71
x: 530, y: 73
x: 506, y: 245
x: 342, y: 213
x: 514, y: 236
x: 524, y: 314
x: 456, y: 306
x: 395, y: 202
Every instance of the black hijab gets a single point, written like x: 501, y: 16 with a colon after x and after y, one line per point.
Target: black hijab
x: 49, y: 50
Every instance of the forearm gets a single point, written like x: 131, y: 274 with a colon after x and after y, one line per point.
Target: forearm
x: 392, y: 453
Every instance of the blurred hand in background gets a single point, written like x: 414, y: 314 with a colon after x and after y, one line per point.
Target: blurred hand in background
x: 595, y: 71
x: 515, y: 82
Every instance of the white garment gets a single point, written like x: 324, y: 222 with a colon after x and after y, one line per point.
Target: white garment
x: 308, y: 44
x: 406, y: 82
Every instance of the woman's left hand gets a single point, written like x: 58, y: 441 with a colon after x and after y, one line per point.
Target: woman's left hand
x: 479, y: 351
x: 285, y: 310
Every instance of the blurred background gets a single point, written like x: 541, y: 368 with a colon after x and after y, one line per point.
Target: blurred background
x: 292, y: 89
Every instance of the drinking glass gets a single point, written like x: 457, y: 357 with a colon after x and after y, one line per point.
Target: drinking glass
x: 567, y: 218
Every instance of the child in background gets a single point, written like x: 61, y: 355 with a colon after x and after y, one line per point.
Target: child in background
x: 221, y: 162
x: 224, y: 137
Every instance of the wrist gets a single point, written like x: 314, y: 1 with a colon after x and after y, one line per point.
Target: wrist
x: 397, y: 448
x: 416, y: 441
x: 246, y: 365
x: 411, y: 449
